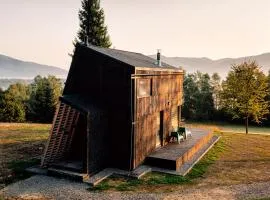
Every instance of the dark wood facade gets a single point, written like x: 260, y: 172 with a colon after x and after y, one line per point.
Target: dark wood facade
x: 153, y: 113
x: 126, y: 109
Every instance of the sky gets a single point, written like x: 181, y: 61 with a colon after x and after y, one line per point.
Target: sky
x: 42, y: 31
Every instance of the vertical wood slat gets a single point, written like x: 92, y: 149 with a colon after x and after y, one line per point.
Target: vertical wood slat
x: 67, y: 139
x: 49, y: 147
x: 60, y: 138
x: 62, y: 132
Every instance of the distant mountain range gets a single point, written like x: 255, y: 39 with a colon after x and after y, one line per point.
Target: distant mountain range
x: 221, y: 66
x: 11, y: 68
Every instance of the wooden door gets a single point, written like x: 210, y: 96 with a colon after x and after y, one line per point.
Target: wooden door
x: 159, y: 133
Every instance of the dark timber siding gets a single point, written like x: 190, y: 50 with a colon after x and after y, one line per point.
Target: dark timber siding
x: 106, y: 82
x: 166, y: 94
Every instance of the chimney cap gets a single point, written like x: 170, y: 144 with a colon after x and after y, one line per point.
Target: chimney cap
x: 159, y: 57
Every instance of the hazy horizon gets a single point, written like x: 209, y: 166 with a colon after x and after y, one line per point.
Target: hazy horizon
x: 43, y: 31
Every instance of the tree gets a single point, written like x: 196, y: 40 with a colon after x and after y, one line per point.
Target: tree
x: 92, y: 25
x: 216, y: 86
x: 244, y: 92
x: 268, y: 97
x: 44, y: 98
x: 198, y: 97
x: 205, y: 103
x: 191, y: 91
x: 12, y: 103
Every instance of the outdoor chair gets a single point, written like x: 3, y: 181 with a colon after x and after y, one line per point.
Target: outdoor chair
x: 186, y: 132
x: 176, y: 135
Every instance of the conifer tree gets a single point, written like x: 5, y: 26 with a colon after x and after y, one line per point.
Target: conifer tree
x: 92, y: 25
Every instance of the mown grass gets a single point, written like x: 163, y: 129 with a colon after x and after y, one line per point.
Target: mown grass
x: 235, y: 159
x: 149, y: 180
x: 266, y: 198
x: 154, y: 179
x: 21, y: 146
x: 229, y: 128
x: 202, y: 166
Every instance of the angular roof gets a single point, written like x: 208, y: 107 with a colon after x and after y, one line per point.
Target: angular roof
x: 81, y: 103
x: 131, y: 58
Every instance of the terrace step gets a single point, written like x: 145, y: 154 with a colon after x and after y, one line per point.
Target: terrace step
x: 174, y: 155
x: 75, y: 176
x: 74, y: 166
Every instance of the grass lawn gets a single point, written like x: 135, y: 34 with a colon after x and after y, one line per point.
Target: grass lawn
x: 235, y: 159
x: 21, y: 145
x: 230, y: 128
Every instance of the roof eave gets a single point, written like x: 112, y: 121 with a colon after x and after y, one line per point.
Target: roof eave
x: 160, y: 69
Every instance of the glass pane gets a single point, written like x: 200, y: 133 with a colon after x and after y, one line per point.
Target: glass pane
x: 144, y: 87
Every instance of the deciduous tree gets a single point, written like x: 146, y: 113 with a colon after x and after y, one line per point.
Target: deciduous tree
x: 244, y: 92
x: 12, y: 103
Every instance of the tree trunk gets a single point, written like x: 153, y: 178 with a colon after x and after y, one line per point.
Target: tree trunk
x: 247, y: 125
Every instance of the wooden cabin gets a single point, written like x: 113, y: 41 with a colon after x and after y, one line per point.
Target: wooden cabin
x: 117, y: 107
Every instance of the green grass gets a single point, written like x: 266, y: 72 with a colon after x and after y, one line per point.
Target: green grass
x: 201, y: 167
x: 128, y: 184
x: 20, y: 146
x: 232, y: 128
x: 154, y: 179
x: 18, y: 169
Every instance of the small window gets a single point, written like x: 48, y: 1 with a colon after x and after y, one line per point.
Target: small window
x: 144, y: 88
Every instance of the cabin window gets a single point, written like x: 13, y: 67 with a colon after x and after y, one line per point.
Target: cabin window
x: 144, y: 88
x: 174, y: 117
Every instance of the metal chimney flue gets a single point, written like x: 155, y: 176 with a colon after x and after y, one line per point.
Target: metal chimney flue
x: 159, y: 58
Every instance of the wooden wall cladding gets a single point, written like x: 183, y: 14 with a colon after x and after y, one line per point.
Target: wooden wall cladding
x: 167, y: 91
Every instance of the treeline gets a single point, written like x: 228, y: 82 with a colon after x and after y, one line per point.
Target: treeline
x: 35, y: 102
x: 205, y: 96
x: 5, y: 83
x: 243, y: 95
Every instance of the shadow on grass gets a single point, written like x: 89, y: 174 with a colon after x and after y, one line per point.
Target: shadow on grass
x: 18, y: 170
x: 128, y: 184
x: 159, y: 179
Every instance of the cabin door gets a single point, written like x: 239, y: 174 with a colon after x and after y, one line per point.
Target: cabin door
x: 159, y: 133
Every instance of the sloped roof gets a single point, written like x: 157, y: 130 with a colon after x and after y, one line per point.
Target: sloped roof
x: 82, y: 103
x: 131, y: 58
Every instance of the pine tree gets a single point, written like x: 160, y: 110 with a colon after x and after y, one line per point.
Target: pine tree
x: 92, y: 25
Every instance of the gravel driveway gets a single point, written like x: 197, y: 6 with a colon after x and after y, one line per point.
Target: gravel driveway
x: 40, y: 187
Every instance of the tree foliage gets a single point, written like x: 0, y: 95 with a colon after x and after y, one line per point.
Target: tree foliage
x: 44, y: 98
x: 12, y: 103
x: 216, y: 86
x: 35, y: 102
x: 244, y: 92
x: 92, y: 25
x: 198, y: 97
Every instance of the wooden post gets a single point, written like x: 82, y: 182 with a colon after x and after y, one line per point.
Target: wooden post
x: 88, y: 143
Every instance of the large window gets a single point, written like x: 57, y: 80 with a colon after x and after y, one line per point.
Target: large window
x: 144, y: 87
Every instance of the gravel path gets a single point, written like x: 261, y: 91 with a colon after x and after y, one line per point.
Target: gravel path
x: 38, y: 187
